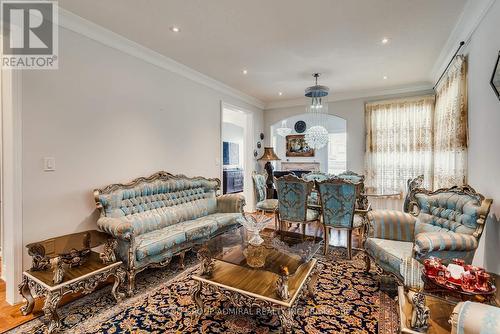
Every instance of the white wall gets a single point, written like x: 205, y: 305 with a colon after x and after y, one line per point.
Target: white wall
x: 484, y: 131
x: 109, y: 117
x: 332, y: 125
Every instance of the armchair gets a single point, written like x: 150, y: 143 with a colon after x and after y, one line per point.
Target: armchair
x: 261, y: 203
x: 475, y: 318
x: 446, y: 223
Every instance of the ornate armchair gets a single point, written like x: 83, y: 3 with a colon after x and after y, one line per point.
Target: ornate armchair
x: 475, y: 318
x: 447, y: 223
x: 261, y: 203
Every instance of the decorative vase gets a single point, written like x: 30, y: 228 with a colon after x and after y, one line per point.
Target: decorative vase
x: 254, y: 226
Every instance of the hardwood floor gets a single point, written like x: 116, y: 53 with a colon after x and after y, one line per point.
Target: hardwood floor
x: 10, y: 315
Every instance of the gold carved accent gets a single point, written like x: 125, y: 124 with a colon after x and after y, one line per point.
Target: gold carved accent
x: 108, y: 254
x: 282, y: 284
x: 59, y: 268
x: 40, y: 262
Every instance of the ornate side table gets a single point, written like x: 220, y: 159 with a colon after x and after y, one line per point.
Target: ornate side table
x: 67, y: 264
x: 425, y: 307
x: 83, y: 279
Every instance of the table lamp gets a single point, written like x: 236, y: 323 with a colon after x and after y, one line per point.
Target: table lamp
x: 269, y: 156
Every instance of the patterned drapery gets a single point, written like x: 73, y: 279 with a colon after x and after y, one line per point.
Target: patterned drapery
x: 398, y: 143
x: 419, y: 135
x: 450, y: 124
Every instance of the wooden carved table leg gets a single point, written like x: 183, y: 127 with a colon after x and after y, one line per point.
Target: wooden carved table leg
x: 282, y: 287
x: 50, y: 310
x: 120, y: 276
x: 197, y: 297
x: 286, y: 320
x: 25, y: 291
x: 311, y: 285
x: 207, y: 265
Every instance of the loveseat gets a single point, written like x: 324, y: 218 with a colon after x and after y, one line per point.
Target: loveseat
x: 154, y: 218
x: 445, y: 223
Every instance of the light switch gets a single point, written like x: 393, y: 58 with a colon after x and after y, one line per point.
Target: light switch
x: 49, y: 164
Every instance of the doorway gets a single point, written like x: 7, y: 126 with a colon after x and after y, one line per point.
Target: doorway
x: 236, y: 152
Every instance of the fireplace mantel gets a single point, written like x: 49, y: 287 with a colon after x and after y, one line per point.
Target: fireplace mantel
x: 305, y: 166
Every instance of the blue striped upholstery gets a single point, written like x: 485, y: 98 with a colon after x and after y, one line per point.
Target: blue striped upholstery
x: 475, y: 318
x: 439, y: 241
x: 388, y: 253
x: 447, y: 225
x: 156, y: 217
x: 392, y: 225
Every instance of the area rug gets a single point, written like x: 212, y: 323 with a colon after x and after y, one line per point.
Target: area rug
x: 347, y: 300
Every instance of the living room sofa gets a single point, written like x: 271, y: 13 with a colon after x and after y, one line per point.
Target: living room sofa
x: 154, y: 218
x: 446, y: 223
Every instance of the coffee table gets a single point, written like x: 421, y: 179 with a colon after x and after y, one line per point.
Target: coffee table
x: 433, y: 303
x: 273, y: 275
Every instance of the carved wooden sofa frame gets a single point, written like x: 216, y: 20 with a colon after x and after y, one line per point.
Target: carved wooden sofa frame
x: 231, y: 203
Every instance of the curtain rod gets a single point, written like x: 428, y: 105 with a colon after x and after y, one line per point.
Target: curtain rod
x: 451, y: 60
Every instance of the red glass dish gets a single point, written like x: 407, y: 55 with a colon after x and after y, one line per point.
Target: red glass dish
x: 452, y: 285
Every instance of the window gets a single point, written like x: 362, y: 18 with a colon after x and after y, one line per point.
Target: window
x: 337, y: 153
x: 398, y: 143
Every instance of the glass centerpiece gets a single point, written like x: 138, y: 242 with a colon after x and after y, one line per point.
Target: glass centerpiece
x: 254, y: 225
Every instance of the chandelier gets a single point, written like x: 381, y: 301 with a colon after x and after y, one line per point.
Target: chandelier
x: 283, y: 131
x: 317, y: 135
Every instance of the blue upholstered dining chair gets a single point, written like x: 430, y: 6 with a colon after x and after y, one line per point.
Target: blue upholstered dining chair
x: 338, y: 201
x: 292, y: 201
x: 261, y: 203
x: 314, y: 176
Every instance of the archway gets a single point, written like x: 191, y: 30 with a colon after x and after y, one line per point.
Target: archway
x: 330, y: 159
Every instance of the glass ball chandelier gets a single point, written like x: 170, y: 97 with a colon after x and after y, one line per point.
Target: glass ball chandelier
x: 317, y: 135
x: 284, y: 130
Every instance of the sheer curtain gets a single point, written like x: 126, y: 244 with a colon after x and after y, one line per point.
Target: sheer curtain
x: 450, y: 124
x: 399, y: 143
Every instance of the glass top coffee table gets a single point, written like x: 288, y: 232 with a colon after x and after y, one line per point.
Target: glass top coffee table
x: 274, y: 274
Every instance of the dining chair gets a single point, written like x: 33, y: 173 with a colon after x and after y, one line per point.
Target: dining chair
x: 292, y: 202
x: 313, y: 198
x: 261, y: 203
x: 362, y: 205
x: 338, y: 201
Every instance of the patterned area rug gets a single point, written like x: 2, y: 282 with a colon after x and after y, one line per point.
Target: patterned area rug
x: 347, y: 300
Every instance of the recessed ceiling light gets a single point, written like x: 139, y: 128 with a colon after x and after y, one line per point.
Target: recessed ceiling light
x: 245, y: 72
x: 386, y: 77
x: 280, y: 93
x: 385, y: 40
x: 175, y: 29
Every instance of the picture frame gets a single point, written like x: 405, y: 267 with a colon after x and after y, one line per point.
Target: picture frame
x: 296, y: 146
x: 495, y: 77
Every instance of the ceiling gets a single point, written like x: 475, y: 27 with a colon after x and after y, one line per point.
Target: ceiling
x: 281, y: 42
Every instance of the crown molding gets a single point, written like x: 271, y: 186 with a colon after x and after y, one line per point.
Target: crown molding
x: 82, y: 26
x: 364, y: 94
x: 472, y: 15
